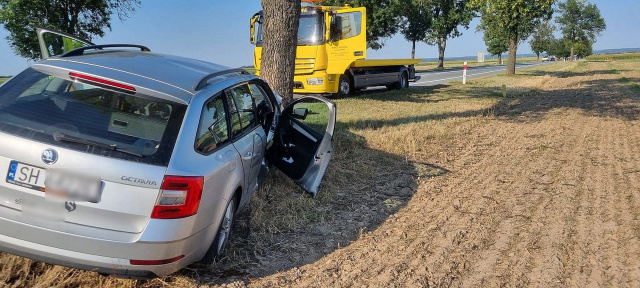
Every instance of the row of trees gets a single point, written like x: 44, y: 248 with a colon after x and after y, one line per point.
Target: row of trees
x: 580, y: 23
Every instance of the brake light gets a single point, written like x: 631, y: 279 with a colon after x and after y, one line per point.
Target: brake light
x: 179, y: 197
x: 155, y: 262
x: 101, y: 82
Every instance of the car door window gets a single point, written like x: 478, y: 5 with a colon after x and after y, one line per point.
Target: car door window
x: 264, y: 109
x: 242, y: 107
x: 213, y: 128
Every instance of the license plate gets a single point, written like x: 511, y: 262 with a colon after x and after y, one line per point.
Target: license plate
x: 60, y: 184
x: 26, y: 176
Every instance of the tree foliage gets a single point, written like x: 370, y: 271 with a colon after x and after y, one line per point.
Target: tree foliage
x: 542, y: 38
x: 415, y: 21
x: 382, y: 18
x: 580, y: 22
x: 448, y: 16
x: 496, y: 41
x: 83, y: 18
x: 516, y: 19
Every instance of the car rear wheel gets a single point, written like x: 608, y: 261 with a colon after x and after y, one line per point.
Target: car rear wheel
x: 220, y: 243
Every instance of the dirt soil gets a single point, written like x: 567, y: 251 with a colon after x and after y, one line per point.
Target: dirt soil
x: 452, y: 187
x: 545, y: 194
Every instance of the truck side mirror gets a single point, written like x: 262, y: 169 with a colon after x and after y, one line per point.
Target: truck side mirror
x: 334, y: 30
x: 254, y: 19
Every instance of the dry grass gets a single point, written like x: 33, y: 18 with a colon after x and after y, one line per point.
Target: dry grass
x: 456, y: 64
x: 2, y: 80
x: 387, y: 145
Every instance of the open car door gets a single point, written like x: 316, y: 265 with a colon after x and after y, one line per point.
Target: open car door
x: 304, y: 141
x: 54, y: 43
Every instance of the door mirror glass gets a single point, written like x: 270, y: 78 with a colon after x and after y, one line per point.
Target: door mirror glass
x: 300, y: 113
x: 312, y: 113
x: 334, y: 29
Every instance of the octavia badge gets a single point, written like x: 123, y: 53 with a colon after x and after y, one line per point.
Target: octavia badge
x: 49, y: 156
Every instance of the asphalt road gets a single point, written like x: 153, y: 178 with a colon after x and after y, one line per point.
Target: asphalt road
x: 432, y: 78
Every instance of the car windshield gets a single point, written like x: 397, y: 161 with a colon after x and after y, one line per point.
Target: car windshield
x: 90, y: 119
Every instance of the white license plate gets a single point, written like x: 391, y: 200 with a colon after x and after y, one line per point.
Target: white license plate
x: 26, y: 176
x: 55, y: 183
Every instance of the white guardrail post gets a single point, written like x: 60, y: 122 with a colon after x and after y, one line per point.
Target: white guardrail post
x: 464, y: 74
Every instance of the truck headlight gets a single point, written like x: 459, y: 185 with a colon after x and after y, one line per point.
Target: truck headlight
x: 315, y: 81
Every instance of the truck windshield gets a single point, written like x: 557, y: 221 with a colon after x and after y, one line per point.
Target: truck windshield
x: 310, y: 30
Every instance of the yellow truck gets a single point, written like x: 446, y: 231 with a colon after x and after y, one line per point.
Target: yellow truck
x: 332, y: 51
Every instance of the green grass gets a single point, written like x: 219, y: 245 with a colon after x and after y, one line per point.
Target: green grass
x: 2, y: 80
x: 614, y: 57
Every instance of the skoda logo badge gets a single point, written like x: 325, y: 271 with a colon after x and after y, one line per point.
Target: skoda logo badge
x: 49, y: 156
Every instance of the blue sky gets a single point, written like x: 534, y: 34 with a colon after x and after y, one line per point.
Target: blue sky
x: 217, y: 31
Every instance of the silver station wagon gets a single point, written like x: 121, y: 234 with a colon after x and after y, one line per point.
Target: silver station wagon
x: 134, y: 164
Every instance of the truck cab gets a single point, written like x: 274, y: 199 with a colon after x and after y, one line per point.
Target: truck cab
x: 332, y: 51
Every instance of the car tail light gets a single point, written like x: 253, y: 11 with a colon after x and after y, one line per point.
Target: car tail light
x: 102, y: 83
x: 179, y: 197
x: 155, y: 262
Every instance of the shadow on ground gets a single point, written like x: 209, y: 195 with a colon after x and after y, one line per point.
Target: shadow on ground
x: 362, y: 188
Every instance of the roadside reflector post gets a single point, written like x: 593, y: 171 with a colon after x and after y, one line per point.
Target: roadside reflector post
x: 464, y: 74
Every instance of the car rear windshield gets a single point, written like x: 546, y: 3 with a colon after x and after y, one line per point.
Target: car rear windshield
x: 90, y: 119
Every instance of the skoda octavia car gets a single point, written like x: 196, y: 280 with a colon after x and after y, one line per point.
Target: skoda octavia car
x: 130, y: 163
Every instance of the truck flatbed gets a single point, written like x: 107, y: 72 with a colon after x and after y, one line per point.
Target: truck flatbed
x: 362, y: 63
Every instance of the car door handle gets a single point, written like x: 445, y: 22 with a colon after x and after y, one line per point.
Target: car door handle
x: 247, y: 156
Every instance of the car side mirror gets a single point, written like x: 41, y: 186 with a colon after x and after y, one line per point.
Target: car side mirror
x: 300, y: 113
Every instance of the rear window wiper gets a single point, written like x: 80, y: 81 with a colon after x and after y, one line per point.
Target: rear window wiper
x: 60, y: 137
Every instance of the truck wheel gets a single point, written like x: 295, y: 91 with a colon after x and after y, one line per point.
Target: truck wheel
x: 220, y: 243
x: 403, y: 82
x: 345, y: 86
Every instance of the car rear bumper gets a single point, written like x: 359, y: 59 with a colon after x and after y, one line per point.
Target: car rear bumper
x: 90, y: 259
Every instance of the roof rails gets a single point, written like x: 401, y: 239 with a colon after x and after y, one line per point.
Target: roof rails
x: 204, y: 82
x: 80, y: 51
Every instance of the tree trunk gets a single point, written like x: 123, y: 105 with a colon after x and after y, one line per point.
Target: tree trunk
x: 511, y: 62
x: 413, y: 50
x: 500, y: 59
x: 279, y: 45
x: 442, y: 45
x: 538, y: 55
x: 571, y: 59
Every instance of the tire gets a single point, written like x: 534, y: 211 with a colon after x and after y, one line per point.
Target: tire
x: 403, y: 82
x: 220, y: 243
x: 345, y: 86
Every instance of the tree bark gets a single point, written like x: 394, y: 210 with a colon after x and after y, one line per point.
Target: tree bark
x: 413, y: 50
x: 279, y: 45
x: 511, y: 62
x: 571, y: 59
x: 442, y: 45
